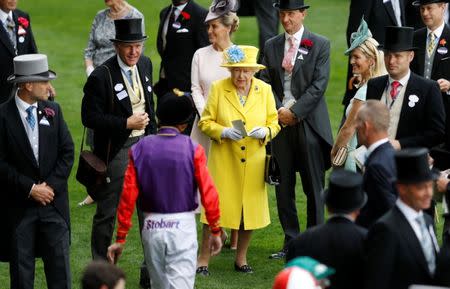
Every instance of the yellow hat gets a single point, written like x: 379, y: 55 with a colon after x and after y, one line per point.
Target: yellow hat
x: 241, y: 56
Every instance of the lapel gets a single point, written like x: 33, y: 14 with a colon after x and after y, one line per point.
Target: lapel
x: 164, y: 14
x: 407, y: 118
x: 117, y: 78
x: 18, y: 131
x: 232, y: 98
x: 298, y: 62
x: 4, y: 37
x: 279, y: 54
x: 420, y: 52
x: 378, y: 86
x: 409, y: 238
x: 390, y: 11
x: 44, y: 132
x: 402, y: 12
x: 146, y: 81
x: 437, y: 56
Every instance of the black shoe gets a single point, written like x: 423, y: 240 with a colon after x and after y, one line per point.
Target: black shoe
x: 145, y: 283
x: 202, y: 270
x: 278, y: 255
x: 243, y: 269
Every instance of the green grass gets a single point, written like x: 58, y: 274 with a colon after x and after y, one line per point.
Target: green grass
x: 61, y: 29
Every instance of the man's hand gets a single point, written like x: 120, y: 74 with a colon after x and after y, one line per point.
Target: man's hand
x: 215, y: 244
x: 42, y: 194
x: 444, y: 84
x: 286, y: 116
x: 138, y: 121
x: 396, y: 144
x: 114, y: 252
x: 441, y: 184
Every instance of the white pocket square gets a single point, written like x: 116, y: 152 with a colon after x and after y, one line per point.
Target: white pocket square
x: 183, y: 30
x: 44, y: 121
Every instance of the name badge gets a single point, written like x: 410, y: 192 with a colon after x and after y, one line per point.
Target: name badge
x: 176, y: 25
x: 121, y: 95
x: 442, y: 50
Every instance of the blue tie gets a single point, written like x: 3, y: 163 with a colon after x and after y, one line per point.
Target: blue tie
x: 30, y: 117
x: 427, y: 245
x: 129, y: 76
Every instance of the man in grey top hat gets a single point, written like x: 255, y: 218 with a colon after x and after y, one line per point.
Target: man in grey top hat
x: 36, y: 157
x: 118, y: 106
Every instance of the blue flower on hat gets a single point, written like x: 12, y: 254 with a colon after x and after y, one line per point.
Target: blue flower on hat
x: 235, y: 54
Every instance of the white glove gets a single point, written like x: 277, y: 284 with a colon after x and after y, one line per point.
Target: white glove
x: 231, y: 133
x: 89, y: 70
x: 258, y: 132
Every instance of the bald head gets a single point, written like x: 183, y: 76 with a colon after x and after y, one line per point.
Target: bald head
x: 372, y: 122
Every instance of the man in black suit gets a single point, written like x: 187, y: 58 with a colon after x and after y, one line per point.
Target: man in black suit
x: 401, y: 245
x: 339, y: 243
x: 36, y: 157
x: 417, y: 117
x: 432, y: 61
x: 379, y: 169
x: 181, y: 32
x: 118, y: 106
x: 298, y: 66
x: 16, y: 38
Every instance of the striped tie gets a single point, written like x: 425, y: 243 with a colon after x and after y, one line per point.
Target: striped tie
x: 431, y: 44
x: 11, y: 31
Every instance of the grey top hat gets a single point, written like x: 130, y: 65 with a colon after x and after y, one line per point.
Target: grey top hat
x: 31, y: 68
x: 221, y: 7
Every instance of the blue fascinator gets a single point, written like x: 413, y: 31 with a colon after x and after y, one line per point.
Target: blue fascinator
x: 357, y: 38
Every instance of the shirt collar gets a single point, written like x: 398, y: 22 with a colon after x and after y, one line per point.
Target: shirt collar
x: 375, y: 145
x: 410, y: 214
x: 22, y: 105
x: 345, y: 216
x: 180, y: 7
x: 297, y: 35
x: 438, y: 31
x: 4, y: 15
x: 403, y: 81
x: 123, y: 66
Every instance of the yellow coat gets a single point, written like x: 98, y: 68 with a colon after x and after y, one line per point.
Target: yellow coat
x: 237, y: 167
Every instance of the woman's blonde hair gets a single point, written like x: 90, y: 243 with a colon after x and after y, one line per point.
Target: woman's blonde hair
x: 230, y: 19
x: 370, y: 49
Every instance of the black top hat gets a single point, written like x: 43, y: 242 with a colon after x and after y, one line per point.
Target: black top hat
x: 290, y: 5
x: 412, y: 166
x: 129, y: 30
x: 345, y: 192
x: 398, y: 39
x: 425, y: 2
x: 175, y: 107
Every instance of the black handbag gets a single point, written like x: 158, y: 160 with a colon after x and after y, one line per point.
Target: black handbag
x: 92, y: 171
x: 272, y: 174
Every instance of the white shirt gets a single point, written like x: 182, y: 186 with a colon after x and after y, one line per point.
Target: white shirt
x: 411, y: 215
x: 125, y: 68
x: 437, y: 32
x: 33, y: 135
x: 375, y: 145
x: 4, y: 16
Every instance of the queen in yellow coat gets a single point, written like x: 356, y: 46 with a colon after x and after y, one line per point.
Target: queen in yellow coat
x: 236, y: 162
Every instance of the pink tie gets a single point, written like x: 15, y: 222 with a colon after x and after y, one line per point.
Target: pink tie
x: 394, y: 91
x: 287, y: 60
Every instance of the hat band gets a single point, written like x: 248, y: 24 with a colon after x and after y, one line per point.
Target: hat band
x: 129, y: 36
x: 43, y: 74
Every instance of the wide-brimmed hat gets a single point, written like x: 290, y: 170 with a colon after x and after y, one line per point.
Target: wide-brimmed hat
x: 398, y: 39
x: 345, y: 192
x: 241, y: 56
x: 360, y: 36
x: 129, y: 30
x: 425, y: 2
x: 290, y: 5
x: 221, y: 7
x: 413, y: 167
x: 175, y: 107
x: 31, y: 68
